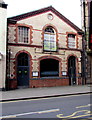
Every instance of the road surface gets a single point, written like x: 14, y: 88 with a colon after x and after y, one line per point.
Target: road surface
x: 74, y: 106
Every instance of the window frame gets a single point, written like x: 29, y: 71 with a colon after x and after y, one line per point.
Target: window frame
x: 23, y: 33
x: 23, y: 59
x: 29, y: 34
x: 54, y: 41
x: 71, y: 43
x: 49, y: 72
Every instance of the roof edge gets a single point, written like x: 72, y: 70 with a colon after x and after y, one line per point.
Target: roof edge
x: 42, y: 10
x: 24, y: 15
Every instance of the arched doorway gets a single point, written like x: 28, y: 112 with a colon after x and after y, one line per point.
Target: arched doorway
x: 49, y: 68
x: 23, y: 70
x: 72, y: 70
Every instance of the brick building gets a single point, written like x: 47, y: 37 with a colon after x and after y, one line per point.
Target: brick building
x: 86, y: 6
x: 44, y: 50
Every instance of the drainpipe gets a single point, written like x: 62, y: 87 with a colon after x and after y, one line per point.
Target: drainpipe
x: 83, y: 60
x: 8, y: 53
x: 84, y: 45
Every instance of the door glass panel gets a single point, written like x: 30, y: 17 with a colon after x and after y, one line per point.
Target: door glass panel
x: 19, y: 72
x: 22, y: 59
x: 25, y: 71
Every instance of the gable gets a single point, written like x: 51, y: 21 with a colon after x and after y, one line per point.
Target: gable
x: 42, y: 20
x: 42, y: 11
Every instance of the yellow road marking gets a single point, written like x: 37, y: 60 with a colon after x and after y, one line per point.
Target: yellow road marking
x: 84, y: 106
x: 81, y: 116
x: 86, y: 112
x: 5, y: 117
x: 42, y: 98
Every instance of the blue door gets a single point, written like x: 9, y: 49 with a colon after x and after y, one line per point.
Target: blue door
x: 23, y: 70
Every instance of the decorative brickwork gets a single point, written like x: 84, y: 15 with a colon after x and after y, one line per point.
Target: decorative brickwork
x: 37, y: 22
x: 12, y: 34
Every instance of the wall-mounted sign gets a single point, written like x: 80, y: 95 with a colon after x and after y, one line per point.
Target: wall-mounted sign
x: 35, y: 74
x: 64, y: 73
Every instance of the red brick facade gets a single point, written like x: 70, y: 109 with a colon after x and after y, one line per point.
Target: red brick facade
x: 34, y: 49
x: 48, y: 82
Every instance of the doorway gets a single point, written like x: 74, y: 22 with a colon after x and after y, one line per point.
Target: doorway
x: 23, y: 70
x: 72, y: 70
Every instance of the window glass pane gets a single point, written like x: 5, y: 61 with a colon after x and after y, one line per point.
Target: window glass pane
x: 52, y: 38
x: 49, y: 29
x: 49, y: 39
x: 46, y: 45
x: 23, y: 34
x: 22, y: 59
x: 49, y: 71
x: 46, y: 37
x: 71, y: 41
x: 53, y: 46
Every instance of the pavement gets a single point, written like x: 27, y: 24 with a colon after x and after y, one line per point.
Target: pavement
x: 34, y: 93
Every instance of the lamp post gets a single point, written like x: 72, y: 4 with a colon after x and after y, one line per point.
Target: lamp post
x: 84, y: 42
x: 83, y: 58
x: 8, y: 68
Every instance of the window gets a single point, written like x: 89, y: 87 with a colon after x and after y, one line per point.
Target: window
x: 49, y: 71
x: 23, y: 34
x: 22, y: 59
x: 71, y: 41
x: 49, y: 39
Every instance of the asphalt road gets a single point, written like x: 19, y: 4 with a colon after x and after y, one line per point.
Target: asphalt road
x: 76, y: 106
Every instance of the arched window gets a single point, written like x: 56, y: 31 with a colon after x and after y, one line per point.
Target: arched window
x: 50, y: 39
x: 22, y: 59
x: 47, y: 69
